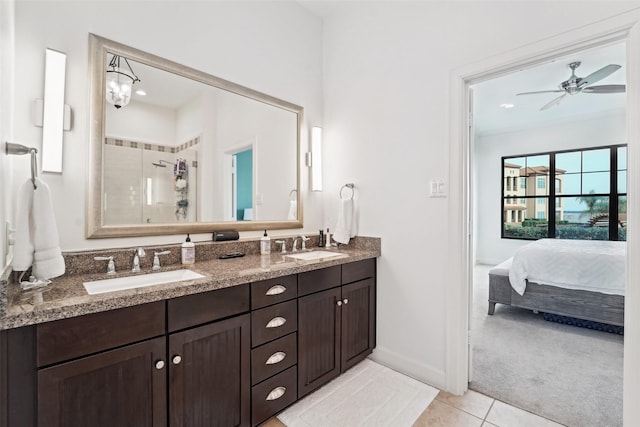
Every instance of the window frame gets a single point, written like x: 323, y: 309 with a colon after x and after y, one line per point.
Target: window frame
x: 553, y: 195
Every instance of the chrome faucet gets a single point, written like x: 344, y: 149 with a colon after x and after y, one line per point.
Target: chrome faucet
x: 138, y: 253
x: 156, y: 259
x: 303, y: 239
x: 111, y: 265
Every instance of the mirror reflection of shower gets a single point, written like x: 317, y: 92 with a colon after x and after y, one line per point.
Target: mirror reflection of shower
x: 146, y: 185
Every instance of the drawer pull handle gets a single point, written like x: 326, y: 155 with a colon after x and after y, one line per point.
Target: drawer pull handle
x: 276, y: 322
x: 176, y: 360
x: 339, y: 303
x: 160, y: 364
x: 276, y: 393
x: 276, y: 357
x: 276, y: 290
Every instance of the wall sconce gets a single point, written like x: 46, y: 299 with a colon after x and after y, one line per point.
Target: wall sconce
x: 53, y: 111
x: 119, y: 82
x: 314, y: 159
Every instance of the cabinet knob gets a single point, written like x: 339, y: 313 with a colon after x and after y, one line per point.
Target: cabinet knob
x: 346, y: 301
x: 276, y: 393
x: 276, y: 322
x: 176, y: 360
x: 339, y: 303
x: 160, y: 364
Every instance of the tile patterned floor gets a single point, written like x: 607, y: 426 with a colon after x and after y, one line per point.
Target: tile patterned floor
x: 471, y: 410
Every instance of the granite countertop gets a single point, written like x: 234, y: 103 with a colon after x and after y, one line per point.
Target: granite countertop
x: 66, y: 296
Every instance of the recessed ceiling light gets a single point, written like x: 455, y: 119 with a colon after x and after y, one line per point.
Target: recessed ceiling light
x: 507, y: 105
x: 141, y: 92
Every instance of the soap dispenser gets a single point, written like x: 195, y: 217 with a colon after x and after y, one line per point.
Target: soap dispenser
x: 265, y: 244
x: 188, y: 251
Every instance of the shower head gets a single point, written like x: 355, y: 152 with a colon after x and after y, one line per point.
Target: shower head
x: 162, y: 163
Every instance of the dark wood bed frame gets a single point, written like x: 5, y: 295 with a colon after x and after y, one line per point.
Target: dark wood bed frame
x: 580, y: 304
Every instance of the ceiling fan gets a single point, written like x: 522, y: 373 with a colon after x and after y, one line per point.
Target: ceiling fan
x: 577, y: 84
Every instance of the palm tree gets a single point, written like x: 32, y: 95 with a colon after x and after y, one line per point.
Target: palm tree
x: 595, y: 204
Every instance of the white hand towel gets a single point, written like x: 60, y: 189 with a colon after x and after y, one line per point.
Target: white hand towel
x: 293, y: 210
x: 39, y: 245
x: 47, y: 258
x: 346, y: 225
x: 23, y: 248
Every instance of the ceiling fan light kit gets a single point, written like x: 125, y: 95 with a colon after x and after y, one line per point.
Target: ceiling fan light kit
x: 575, y: 84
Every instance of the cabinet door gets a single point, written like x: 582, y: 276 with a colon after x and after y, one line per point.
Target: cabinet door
x: 120, y: 387
x: 209, y: 381
x: 358, y: 322
x: 318, y: 340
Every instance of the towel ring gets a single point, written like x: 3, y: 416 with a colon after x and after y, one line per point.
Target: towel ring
x: 295, y: 196
x: 350, y: 186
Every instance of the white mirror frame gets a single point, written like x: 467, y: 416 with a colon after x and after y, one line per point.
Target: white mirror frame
x: 95, y: 227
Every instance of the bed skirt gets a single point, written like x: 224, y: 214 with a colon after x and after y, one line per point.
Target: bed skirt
x: 578, y: 304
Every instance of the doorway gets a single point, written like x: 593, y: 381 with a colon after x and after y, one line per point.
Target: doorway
x: 623, y: 27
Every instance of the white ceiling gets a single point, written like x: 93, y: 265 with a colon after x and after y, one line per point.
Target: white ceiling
x: 489, y: 117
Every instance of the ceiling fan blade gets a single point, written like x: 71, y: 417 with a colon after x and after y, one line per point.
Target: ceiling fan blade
x: 599, y: 75
x: 553, y: 102
x: 540, y: 91
x: 605, y: 89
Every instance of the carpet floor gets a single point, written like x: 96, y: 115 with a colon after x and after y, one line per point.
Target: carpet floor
x: 565, y: 373
x: 368, y: 394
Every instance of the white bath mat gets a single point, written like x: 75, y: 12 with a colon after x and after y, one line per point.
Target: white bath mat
x: 368, y: 394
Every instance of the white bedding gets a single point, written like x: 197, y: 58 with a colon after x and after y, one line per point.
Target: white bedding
x: 592, y: 265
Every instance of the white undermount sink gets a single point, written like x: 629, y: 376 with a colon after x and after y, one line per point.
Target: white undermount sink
x: 316, y: 255
x: 139, y: 281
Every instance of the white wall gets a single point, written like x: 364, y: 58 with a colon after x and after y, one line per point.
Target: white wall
x: 127, y: 123
x: 6, y: 118
x: 387, y: 68
x: 591, y: 132
x: 273, y: 47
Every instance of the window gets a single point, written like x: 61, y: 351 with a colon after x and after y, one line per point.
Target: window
x: 587, y: 200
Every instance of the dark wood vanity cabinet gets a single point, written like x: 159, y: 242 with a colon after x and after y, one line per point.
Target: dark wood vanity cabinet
x: 274, y: 322
x: 102, y: 369
x: 336, y: 327
x: 119, y: 387
x: 209, y: 369
x: 195, y: 373
x: 229, y: 357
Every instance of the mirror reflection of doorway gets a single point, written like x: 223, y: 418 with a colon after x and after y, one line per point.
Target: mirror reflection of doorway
x: 244, y: 185
x: 239, y: 183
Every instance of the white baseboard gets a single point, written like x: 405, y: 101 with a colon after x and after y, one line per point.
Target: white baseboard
x: 412, y: 368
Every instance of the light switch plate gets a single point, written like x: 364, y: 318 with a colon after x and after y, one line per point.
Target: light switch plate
x: 438, y: 188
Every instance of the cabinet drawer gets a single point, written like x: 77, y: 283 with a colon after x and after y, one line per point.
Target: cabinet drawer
x: 271, y: 358
x: 197, y: 309
x: 359, y: 270
x: 318, y: 280
x: 273, y: 322
x: 78, y: 336
x: 273, y: 395
x: 272, y: 291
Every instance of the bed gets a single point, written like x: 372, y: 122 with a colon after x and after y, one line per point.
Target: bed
x: 573, y: 279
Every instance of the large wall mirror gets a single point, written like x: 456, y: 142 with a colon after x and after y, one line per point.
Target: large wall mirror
x: 176, y: 150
